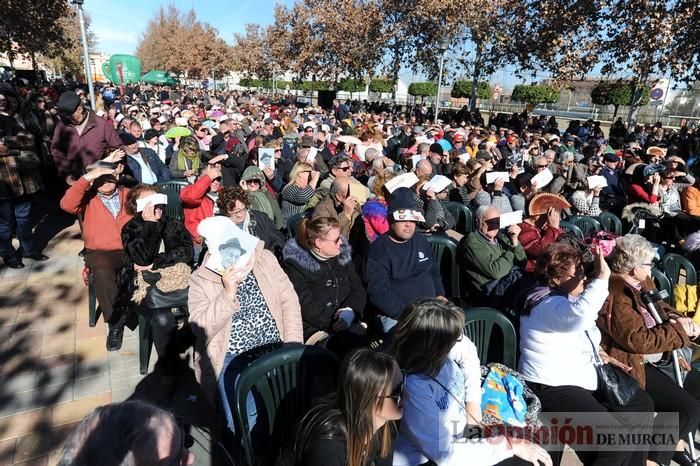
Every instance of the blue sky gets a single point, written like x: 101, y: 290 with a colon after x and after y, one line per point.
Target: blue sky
x: 118, y: 24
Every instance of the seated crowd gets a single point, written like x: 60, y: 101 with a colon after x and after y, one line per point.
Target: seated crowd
x: 346, y: 211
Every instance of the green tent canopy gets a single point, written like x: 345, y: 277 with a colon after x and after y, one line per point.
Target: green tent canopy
x: 158, y: 77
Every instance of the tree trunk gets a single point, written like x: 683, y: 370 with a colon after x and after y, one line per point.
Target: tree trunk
x: 35, y: 69
x: 637, y: 91
x: 475, y: 76
x: 615, y: 113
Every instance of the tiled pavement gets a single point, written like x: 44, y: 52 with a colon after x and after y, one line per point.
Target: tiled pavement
x: 54, y: 368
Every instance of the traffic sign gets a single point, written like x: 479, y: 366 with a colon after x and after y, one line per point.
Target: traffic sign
x: 657, y: 94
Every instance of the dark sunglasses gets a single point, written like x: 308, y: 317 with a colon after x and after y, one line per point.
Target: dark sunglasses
x: 398, y: 394
x: 345, y: 168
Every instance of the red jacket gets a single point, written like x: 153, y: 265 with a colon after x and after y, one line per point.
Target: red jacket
x: 101, y: 231
x: 196, y: 204
x: 72, y: 152
x: 637, y: 193
x: 535, y: 240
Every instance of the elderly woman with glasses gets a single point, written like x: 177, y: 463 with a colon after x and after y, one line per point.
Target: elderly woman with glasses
x: 234, y: 202
x: 185, y: 164
x: 558, y: 338
x: 319, y: 264
x: 632, y: 336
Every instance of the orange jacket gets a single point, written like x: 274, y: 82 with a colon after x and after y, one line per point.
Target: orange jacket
x: 101, y: 231
x: 690, y: 200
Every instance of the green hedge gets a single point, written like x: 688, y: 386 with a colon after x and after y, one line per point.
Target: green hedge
x: 381, y: 85
x: 463, y: 90
x: 535, y: 94
x: 422, y: 89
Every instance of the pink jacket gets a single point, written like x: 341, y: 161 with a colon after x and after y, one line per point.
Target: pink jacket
x: 211, y: 314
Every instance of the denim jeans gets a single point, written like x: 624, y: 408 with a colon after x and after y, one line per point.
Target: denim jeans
x: 17, y: 210
x: 228, y: 378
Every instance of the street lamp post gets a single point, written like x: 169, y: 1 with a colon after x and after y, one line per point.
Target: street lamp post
x: 86, y: 55
x: 444, y: 45
x: 94, y: 70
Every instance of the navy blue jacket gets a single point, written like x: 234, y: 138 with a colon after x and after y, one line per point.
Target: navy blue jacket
x: 397, y: 274
x: 161, y: 170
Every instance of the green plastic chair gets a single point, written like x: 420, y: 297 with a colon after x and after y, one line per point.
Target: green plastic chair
x: 570, y: 227
x: 587, y: 225
x: 172, y: 189
x: 284, y: 382
x: 672, y: 265
x: 445, y: 256
x: 663, y: 283
x: 478, y: 326
x: 463, y: 216
x: 293, y: 223
x: 610, y: 222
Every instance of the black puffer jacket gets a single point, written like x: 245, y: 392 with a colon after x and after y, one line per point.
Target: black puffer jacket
x: 265, y: 229
x: 323, y: 287
x: 142, y: 240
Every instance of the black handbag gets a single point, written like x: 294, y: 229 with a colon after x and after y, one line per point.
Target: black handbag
x: 175, y: 300
x: 616, y: 387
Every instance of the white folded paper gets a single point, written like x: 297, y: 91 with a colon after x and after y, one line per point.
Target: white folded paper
x: 491, y: 177
x: 406, y: 180
x: 597, y: 181
x: 155, y: 199
x: 510, y: 218
x: 266, y: 158
x: 311, y: 156
x: 360, y: 150
x: 228, y: 244
x: 542, y: 179
x: 415, y: 159
x: 437, y: 183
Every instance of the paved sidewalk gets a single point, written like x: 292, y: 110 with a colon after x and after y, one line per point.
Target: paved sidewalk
x: 55, y: 368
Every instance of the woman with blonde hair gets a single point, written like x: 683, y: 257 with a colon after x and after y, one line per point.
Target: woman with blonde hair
x: 318, y: 261
x: 300, y: 188
x: 187, y: 161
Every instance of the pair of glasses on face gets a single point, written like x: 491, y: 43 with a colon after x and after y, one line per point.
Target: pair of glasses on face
x: 397, y: 394
x: 345, y: 169
x: 334, y: 241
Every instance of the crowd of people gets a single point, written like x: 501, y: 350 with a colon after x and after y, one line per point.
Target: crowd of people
x: 344, y: 201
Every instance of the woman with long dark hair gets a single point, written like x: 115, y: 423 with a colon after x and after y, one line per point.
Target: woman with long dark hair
x: 443, y: 394
x: 354, y: 426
